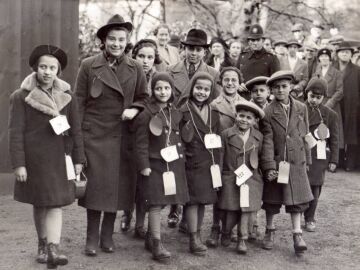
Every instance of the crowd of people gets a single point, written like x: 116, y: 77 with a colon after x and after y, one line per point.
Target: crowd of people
x: 240, y: 127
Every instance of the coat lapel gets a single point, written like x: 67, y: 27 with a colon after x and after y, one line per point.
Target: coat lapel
x: 279, y: 114
x: 237, y: 142
x: 181, y: 77
x: 295, y: 115
x: 222, y: 106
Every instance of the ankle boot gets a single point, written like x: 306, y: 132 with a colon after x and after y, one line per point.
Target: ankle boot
x: 107, y: 230
x: 158, y: 251
x: 241, y: 246
x: 196, y: 246
x: 148, y: 242
x: 253, y: 234
x: 299, y: 243
x: 213, y: 240
x: 225, y: 239
x: 92, y: 233
x: 55, y: 258
x: 42, y: 251
x: 268, y: 241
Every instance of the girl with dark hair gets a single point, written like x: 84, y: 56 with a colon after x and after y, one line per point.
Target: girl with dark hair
x: 219, y: 56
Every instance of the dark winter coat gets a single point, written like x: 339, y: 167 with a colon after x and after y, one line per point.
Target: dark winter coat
x: 147, y: 155
x: 103, y: 96
x: 198, y: 158
x: 273, y: 127
x: 232, y: 157
x: 35, y: 146
x: 318, y: 167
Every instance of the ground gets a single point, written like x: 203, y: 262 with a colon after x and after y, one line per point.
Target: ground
x: 335, y: 244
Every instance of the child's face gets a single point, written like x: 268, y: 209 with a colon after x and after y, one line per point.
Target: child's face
x: 230, y: 82
x: 281, y: 90
x: 314, y: 99
x: 202, y: 90
x: 245, y: 119
x: 162, y: 91
x: 260, y: 93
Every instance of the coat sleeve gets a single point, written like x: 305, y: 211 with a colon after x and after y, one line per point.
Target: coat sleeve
x: 81, y: 88
x: 334, y: 137
x: 142, y: 133
x: 140, y: 97
x: 16, y: 130
x: 267, y: 161
x: 338, y: 94
x: 304, y: 78
x: 307, y: 150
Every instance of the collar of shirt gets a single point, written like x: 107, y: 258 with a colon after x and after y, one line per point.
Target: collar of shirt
x: 244, y: 135
x: 292, y: 62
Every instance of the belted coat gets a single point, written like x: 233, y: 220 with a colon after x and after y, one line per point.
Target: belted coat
x: 285, y: 140
x: 103, y: 94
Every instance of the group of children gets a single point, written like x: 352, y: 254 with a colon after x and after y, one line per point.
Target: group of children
x: 238, y: 155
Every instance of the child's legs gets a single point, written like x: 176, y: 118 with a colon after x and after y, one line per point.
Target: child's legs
x: 309, y: 214
x: 253, y: 220
x: 155, y: 221
x: 295, y: 212
x: 39, y: 220
x: 53, y: 224
x: 201, y: 212
x: 192, y: 217
x: 243, y: 224
x: 231, y: 220
x: 140, y: 215
x: 270, y: 211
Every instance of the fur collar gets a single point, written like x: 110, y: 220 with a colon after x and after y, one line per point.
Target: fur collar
x: 40, y: 101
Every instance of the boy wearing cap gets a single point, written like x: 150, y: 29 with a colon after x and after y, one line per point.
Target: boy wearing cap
x: 260, y: 92
x: 284, y: 128
x: 323, y: 124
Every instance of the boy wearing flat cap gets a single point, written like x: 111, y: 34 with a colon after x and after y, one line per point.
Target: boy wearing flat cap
x: 260, y: 92
x: 284, y: 128
x: 324, y: 127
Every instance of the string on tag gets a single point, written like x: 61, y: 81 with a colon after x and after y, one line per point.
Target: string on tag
x: 168, y: 124
x: 286, y: 129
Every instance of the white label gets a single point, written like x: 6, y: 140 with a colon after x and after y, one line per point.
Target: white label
x: 70, y: 170
x: 169, y: 183
x: 284, y: 172
x: 169, y: 153
x: 243, y: 173
x: 310, y: 140
x: 216, y: 175
x: 321, y: 150
x: 59, y: 124
x: 212, y: 141
x: 244, y: 196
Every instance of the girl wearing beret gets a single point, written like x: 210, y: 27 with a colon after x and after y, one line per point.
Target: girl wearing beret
x: 199, y: 121
x: 160, y: 159
x: 242, y: 189
x: 38, y: 149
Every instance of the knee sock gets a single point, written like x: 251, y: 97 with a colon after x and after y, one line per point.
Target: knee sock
x: 53, y: 225
x: 269, y: 221
x: 243, y: 224
x: 39, y: 214
x: 296, y: 222
x: 192, y: 217
x: 155, y: 221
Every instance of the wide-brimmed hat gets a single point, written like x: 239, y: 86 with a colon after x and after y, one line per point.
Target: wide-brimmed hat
x: 279, y: 42
x: 196, y: 37
x: 219, y: 40
x: 281, y: 75
x: 297, y: 27
x: 254, y: 81
x: 41, y: 50
x: 324, y: 51
x: 317, y: 85
x: 293, y: 42
x: 255, y: 32
x: 250, y: 106
x: 345, y: 46
x: 114, y: 21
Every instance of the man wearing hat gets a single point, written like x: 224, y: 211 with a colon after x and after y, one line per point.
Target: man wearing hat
x: 255, y: 60
x: 314, y: 39
x: 169, y: 54
x: 286, y: 159
x: 310, y: 59
x: 280, y: 48
x: 350, y: 108
x: 320, y: 117
x: 111, y: 91
x: 298, y: 32
x: 297, y: 66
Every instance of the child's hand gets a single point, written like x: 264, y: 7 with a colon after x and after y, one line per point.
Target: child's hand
x: 145, y: 172
x: 271, y: 175
x: 332, y: 167
x: 20, y: 174
x: 129, y: 114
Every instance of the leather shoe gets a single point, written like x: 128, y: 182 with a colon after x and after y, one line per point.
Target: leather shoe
x: 225, y: 239
x: 173, y: 219
x: 213, y: 240
x: 125, y: 221
x: 42, y: 251
x: 90, y: 252
x: 268, y: 241
x: 109, y: 249
x: 139, y: 233
x: 241, y: 247
x: 299, y: 243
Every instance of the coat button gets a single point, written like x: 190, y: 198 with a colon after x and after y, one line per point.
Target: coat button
x: 177, y: 132
x: 181, y: 155
x: 179, y: 144
x: 288, y: 136
x: 166, y: 131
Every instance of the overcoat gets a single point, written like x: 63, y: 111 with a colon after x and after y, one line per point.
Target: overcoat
x: 198, y: 158
x: 181, y: 79
x: 103, y: 95
x: 232, y: 157
x: 334, y: 95
x: 318, y: 167
x: 280, y: 138
x: 169, y: 54
x: 34, y: 144
x: 147, y: 155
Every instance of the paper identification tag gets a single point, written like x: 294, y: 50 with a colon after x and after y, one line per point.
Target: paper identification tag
x: 59, y: 124
x: 169, y: 153
x: 244, y: 196
x: 321, y: 150
x: 310, y: 140
x: 212, y: 141
x: 243, y: 173
x: 215, y: 175
x: 169, y: 183
x: 70, y: 170
x: 284, y: 172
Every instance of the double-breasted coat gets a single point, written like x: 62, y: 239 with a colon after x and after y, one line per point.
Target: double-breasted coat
x: 286, y: 142
x: 232, y: 157
x: 318, y: 167
x: 147, y: 155
x: 35, y: 146
x: 198, y: 158
x: 334, y: 95
x: 103, y: 95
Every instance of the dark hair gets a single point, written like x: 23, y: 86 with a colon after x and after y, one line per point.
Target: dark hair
x: 162, y: 76
x: 147, y: 43
x: 102, y: 45
x: 36, y: 65
x: 163, y: 25
x: 231, y: 68
x: 202, y: 76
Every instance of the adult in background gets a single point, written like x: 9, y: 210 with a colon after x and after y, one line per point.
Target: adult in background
x: 350, y: 105
x: 219, y: 56
x: 310, y: 58
x: 314, y: 39
x: 256, y: 61
x: 169, y: 54
x: 38, y: 153
x: 298, y: 32
x: 280, y: 48
x: 267, y: 44
x: 111, y: 90
x: 235, y: 50
x: 298, y: 66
